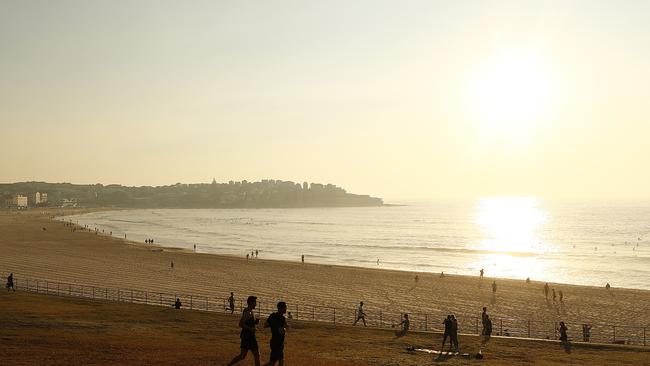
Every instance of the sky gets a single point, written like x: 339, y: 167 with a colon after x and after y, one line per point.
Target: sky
x: 397, y: 99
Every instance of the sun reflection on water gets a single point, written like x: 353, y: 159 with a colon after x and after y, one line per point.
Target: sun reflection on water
x: 510, y: 233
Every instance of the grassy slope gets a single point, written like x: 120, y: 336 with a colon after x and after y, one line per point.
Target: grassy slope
x: 38, y: 330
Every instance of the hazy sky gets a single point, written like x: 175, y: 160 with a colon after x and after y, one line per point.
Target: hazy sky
x: 398, y: 99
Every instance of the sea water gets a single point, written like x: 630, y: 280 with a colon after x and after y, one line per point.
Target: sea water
x: 588, y: 243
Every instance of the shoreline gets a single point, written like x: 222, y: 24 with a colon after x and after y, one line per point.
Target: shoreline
x: 60, y: 254
x: 371, y: 268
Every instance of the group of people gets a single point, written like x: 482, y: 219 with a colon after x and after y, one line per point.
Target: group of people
x: 248, y: 322
x: 253, y: 254
x: 546, y: 288
x: 148, y: 241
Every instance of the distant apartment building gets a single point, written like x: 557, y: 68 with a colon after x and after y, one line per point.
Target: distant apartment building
x: 69, y: 202
x: 18, y: 201
x: 38, y: 199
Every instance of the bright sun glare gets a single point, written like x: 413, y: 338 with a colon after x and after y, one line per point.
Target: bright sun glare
x: 511, y: 93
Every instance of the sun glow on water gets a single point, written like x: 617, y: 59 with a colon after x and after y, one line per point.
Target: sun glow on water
x: 510, y: 229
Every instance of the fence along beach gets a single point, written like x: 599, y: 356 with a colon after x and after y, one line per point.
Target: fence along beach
x: 35, y: 246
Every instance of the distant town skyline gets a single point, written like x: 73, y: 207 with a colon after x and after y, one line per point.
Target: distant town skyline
x: 399, y: 100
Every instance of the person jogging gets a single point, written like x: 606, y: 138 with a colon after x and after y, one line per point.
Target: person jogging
x: 361, y: 315
x: 248, y: 341
x: 278, y: 324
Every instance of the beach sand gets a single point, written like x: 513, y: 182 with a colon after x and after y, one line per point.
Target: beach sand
x: 59, y: 254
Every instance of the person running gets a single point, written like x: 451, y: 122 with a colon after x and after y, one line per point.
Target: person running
x: 454, y: 333
x: 278, y: 324
x: 10, y: 282
x: 494, y: 287
x: 231, y: 303
x: 447, y: 333
x: 177, y: 304
x: 361, y: 315
x: 546, y: 290
x: 561, y: 296
x: 481, y: 273
x: 563, y: 334
x: 405, y: 323
x: 248, y: 341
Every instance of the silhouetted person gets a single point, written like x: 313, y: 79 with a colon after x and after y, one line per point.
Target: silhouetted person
x: 10, y: 282
x: 553, y: 290
x: 607, y: 286
x: 586, y: 332
x: 231, y: 303
x: 546, y: 290
x: 442, y: 274
x: 416, y: 279
x: 494, y: 287
x: 247, y: 256
x: 303, y: 259
x: 481, y: 273
x: 561, y: 296
x: 447, y: 333
x: 563, y: 335
x: 172, y: 264
x: 527, y: 279
x: 405, y: 323
x: 256, y: 253
x: 487, y: 329
x: 454, y: 333
x: 377, y: 261
x: 484, y: 316
x: 248, y: 341
x: 278, y: 325
x: 178, y: 304
x: 361, y: 315
x: 194, y: 248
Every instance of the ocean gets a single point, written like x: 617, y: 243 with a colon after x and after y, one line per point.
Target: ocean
x: 577, y: 242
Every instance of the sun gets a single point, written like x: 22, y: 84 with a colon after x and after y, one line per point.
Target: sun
x: 512, y: 93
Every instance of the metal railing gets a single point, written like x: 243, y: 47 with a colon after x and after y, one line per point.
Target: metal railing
x: 426, y: 322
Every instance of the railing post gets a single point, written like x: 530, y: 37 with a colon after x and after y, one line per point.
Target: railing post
x: 614, y: 327
x: 93, y: 292
x: 381, y: 319
x: 190, y: 302
x: 296, y: 311
x: 313, y: 314
x: 501, y: 326
x: 528, y: 328
x: 146, y: 298
x: 47, y: 288
x: 476, y: 324
x: 70, y: 290
x: 334, y: 315
x: 118, y: 295
x: 160, y: 298
x: 426, y: 322
x: 28, y: 284
x: 131, y: 296
x: 36, y: 286
x: 644, y: 336
x: 206, y: 304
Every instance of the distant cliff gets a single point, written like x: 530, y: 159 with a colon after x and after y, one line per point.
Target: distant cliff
x: 263, y: 194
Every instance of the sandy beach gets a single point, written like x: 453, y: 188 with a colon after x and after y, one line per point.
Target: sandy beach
x: 34, y: 245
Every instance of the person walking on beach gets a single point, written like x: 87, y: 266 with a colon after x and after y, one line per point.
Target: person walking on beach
x: 546, y: 290
x: 494, y: 287
x: 248, y: 341
x: 607, y: 286
x: 361, y: 315
x: 586, y: 330
x: 231, y: 303
x: 303, y: 259
x: 247, y: 257
x: 405, y: 323
x: 447, y: 333
x: 416, y: 279
x: 484, y: 316
x: 256, y: 253
x: 10, y: 282
x: 278, y: 324
x: 563, y: 335
x: 553, y: 290
x: 561, y: 296
x: 481, y: 273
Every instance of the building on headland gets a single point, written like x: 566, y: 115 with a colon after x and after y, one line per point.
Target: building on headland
x: 37, y: 199
x: 17, y: 201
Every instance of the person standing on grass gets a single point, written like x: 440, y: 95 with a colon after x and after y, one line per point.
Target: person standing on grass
x: 231, y: 302
x: 248, y: 341
x: 361, y: 315
x: 563, y: 335
x: 278, y: 324
x: 10, y: 282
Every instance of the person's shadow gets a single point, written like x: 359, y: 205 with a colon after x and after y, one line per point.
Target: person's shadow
x: 493, y: 299
x: 567, y: 346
